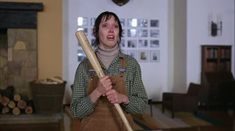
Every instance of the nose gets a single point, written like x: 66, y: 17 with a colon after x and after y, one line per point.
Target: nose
x: 111, y: 29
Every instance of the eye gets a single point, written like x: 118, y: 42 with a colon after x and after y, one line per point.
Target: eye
x: 104, y: 25
x: 116, y: 26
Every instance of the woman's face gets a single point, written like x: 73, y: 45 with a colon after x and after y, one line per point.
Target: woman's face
x: 108, y: 33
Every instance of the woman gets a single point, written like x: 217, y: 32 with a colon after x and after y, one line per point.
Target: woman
x: 93, y: 99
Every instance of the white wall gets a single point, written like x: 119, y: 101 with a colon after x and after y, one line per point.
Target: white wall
x: 154, y: 74
x: 197, y: 31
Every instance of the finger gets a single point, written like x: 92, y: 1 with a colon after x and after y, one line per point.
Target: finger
x: 109, y: 88
x: 106, y: 78
x: 110, y: 92
x: 111, y: 99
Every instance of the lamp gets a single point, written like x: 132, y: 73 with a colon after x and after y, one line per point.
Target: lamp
x: 215, y: 26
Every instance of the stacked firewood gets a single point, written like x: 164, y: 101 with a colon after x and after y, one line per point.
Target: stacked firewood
x: 52, y: 80
x: 13, y: 103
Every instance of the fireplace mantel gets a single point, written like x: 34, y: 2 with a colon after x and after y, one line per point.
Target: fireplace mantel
x: 19, y: 14
x: 20, y: 6
x: 18, y: 45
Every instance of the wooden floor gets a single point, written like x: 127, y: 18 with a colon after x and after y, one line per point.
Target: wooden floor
x: 34, y: 122
x: 55, y: 124
x: 227, y: 116
x: 228, y: 123
x: 204, y: 128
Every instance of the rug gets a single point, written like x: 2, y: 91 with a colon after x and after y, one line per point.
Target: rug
x: 160, y: 120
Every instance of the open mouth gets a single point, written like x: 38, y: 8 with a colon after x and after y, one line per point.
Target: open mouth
x: 110, y: 37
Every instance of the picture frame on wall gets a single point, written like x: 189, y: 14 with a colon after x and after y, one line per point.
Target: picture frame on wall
x: 132, y: 43
x: 132, y: 22
x: 123, y: 32
x: 82, y: 21
x: 142, y: 43
x: 154, y: 33
x: 132, y: 32
x: 143, y: 55
x: 132, y: 53
x: 154, y: 23
x: 123, y: 22
x: 92, y: 21
x: 80, y: 55
x: 122, y: 44
x: 143, y: 23
x: 154, y: 43
x: 143, y: 32
x: 85, y: 30
x: 93, y: 42
x: 155, y: 55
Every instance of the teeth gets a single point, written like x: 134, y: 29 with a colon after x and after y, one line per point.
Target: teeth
x: 110, y: 37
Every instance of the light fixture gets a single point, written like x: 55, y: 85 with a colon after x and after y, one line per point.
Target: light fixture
x: 215, y: 25
x: 120, y: 2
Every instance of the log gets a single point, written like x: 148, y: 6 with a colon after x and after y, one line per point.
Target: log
x: 5, y: 100
x: 11, y: 104
x: 56, y: 79
x: 30, y: 107
x: 17, y: 97
x: 16, y: 111
x: 28, y: 110
x: 5, y: 110
x: 21, y: 104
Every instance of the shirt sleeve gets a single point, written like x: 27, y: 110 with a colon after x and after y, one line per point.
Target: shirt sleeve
x: 81, y: 104
x: 136, y: 91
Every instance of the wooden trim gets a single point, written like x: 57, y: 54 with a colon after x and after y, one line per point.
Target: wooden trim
x: 21, y: 6
x: 19, y: 14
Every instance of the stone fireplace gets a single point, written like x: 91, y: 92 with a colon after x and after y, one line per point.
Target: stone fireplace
x: 18, y: 45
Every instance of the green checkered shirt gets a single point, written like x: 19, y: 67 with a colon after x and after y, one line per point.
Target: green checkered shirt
x: 82, y: 106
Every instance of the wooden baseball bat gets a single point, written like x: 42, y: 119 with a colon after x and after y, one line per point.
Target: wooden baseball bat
x: 96, y: 65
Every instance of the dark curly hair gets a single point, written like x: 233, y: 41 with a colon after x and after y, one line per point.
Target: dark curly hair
x: 106, y: 16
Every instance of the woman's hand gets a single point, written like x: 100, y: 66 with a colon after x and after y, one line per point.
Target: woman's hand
x: 115, y: 97
x: 104, y: 85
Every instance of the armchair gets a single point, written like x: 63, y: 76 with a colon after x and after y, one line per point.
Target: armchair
x: 179, y: 102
